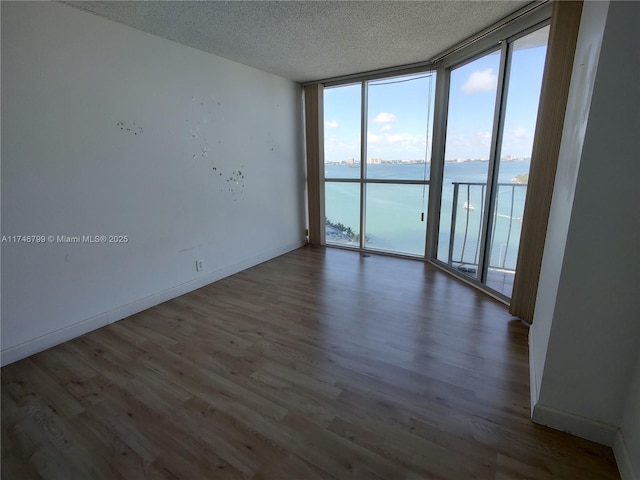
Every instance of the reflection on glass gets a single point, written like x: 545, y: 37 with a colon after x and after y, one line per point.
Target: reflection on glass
x: 394, y: 220
x: 523, y: 93
x: 342, y: 131
x: 399, y: 126
x: 342, y: 213
x: 472, y: 99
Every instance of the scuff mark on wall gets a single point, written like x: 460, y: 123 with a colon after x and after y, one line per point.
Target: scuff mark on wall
x: 200, y: 131
x: 130, y: 128
x: 234, y: 183
x: 199, y: 124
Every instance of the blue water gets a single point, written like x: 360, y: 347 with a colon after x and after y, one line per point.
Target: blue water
x: 393, y: 216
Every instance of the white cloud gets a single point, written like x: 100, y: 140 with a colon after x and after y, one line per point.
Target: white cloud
x: 331, y: 124
x: 482, y: 137
x: 518, y: 142
x: 468, y: 144
x: 398, y: 138
x: 339, y: 148
x: 396, y: 146
x: 386, y: 128
x: 520, y: 132
x: 480, y: 81
x: 384, y: 117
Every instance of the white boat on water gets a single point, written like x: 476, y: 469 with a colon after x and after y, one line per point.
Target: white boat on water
x: 468, y: 206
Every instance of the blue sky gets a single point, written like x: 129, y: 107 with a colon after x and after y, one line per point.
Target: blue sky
x: 398, y: 118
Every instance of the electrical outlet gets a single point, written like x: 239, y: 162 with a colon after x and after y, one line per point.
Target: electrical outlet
x: 199, y: 265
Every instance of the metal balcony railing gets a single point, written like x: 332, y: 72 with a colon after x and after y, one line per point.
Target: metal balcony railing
x: 466, y: 231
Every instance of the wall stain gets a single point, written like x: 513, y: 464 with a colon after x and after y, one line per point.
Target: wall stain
x: 201, y: 116
x: 199, y: 129
x: 234, y: 182
x: 130, y: 128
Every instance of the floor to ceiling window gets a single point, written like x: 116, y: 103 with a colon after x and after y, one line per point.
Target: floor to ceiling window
x: 472, y: 98
x: 526, y: 57
x: 376, y: 183
x: 378, y: 157
x: 342, y: 131
x: 491, y: 116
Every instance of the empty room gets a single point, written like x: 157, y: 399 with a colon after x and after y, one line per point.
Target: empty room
x: 320, y: 240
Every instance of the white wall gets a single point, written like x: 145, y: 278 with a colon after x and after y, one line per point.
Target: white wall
x: 575, y: 125
x: 586, y: 334
x: 627, y: 444
x: 107, y: 130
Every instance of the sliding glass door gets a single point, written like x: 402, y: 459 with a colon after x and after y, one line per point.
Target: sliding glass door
x: 491, y: 115
x: 525, y: 66
x: 472, y: 100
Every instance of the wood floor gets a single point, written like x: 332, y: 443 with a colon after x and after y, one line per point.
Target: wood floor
x: 318, y: 364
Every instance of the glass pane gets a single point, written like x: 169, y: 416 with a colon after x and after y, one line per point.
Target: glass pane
x: 342, y: 213
x: 523, y: 94
x: 342, y: 131
x: 399, y: 124
x: 394, y: 221
x: 472, y: 99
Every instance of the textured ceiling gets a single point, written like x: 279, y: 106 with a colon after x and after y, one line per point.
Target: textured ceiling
x: 311, y: 40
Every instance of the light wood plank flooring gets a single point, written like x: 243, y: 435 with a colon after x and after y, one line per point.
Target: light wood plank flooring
x: 319, y: 364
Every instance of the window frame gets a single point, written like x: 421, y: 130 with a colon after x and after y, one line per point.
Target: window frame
x: 500, y: 36
x: 363, y: 179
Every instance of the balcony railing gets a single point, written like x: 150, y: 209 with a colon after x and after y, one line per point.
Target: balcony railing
x: 466, y: 225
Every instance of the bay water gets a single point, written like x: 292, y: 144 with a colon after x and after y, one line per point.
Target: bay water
x: 394, y: 213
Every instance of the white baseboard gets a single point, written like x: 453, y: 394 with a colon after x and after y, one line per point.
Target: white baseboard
x: 33, y: 346
x: 623, y: 458
x: 582, y: 427
x: 559, y: 420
